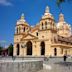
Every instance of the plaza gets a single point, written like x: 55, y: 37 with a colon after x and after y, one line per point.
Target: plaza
x: 54, y: 64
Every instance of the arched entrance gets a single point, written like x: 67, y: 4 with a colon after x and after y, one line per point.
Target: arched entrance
x: 42, y: 48
x: 55, y: 52
x: 18, y: 49
x: 29, y: 48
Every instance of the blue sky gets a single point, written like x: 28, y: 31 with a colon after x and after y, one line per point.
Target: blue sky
x: 11, y: 10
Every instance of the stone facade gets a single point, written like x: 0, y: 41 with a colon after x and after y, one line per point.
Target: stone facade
x: 47, y: 38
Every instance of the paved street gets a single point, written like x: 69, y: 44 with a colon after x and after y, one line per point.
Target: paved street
x: 57, y: 65
x: 50, y: 64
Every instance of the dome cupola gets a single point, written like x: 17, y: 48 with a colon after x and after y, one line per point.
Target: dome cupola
x: 64, y: 29
x: 22, y: 26
x: 47, y: 21
x: 22, y: 20
x: 47, y: 14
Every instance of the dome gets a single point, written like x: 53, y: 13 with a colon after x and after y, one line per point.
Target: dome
x: 47, y: 14
x: 66, y: 26
x: 62, y: 24
x: 22, y: 20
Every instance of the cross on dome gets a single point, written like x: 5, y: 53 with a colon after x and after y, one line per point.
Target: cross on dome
x: 22, y: 16
x: 61, y: 17
x: 47, y: 9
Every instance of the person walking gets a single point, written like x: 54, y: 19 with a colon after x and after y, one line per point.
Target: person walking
x: 65, y: 57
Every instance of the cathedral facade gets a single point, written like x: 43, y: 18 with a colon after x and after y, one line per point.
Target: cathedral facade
x: 47, y: 38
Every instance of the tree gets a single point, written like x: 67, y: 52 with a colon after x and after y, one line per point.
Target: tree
x: 10, y: 50
x: 59, y: 2
x: 0, y: 50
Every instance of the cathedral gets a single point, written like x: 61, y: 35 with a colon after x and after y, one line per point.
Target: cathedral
x: 47, y: 38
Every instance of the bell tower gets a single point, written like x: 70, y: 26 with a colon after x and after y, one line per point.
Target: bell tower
x: 22, y: 26
x: 21, y: 29
x: 47, y: 24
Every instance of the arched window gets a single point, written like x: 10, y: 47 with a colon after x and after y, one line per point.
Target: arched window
x: 18, y: 49
x: 46, y: 24
x: 29, y: 48
x: 17, y: 30
x: 24, y: 29
x: 55, y: 51
x: 37, y: 33
x: 42, y: 48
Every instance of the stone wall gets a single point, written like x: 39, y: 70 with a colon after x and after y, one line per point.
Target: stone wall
x: 20, y: 65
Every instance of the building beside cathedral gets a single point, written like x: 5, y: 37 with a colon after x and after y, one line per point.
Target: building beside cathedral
x: 47, y: 38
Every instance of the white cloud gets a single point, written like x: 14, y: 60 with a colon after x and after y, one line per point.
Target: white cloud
x: 5, y: 2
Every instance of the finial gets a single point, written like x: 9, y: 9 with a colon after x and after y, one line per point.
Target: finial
x: 61, y: 17
x: 47, y: 9
x: 22, y: 16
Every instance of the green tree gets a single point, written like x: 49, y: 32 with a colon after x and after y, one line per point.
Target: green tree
x: 59, y: 2
x: 10, y: 50
x: 0, y: 50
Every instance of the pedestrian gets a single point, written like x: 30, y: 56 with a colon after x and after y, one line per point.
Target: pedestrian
x: 65, y: 57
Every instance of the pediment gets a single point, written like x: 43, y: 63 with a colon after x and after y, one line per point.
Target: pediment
x: 28, y: 37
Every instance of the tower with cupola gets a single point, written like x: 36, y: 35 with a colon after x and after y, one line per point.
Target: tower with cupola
x: 22, y: 28
x: 47, y: 30
x: 47, y: 27
x: 63, y: 28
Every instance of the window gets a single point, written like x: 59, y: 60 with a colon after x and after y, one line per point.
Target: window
x: 55, y: 51
x: 24, y: 29
x: 17, y: 30
x: 42, y: 23
x: 37, y: 33
x: 46, y: 24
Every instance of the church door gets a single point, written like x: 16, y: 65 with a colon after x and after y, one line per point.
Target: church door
x: 29, y: 48
x: 42, y: 48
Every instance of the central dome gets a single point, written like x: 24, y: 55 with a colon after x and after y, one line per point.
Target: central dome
x: 62, y: 24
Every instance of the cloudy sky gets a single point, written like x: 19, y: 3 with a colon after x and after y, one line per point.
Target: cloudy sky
x: 10, y: 11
